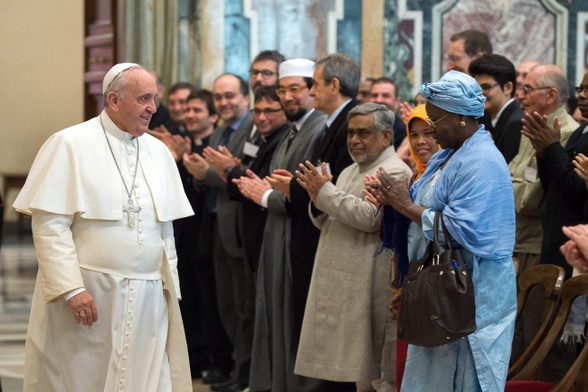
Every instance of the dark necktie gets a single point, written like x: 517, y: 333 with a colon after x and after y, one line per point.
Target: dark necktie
x: 322, y: 134
x: 291, y: 135
x: 227, y: 133
x: 317, y: 149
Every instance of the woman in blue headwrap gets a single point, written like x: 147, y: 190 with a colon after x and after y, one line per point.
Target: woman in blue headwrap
x: 469, y: 181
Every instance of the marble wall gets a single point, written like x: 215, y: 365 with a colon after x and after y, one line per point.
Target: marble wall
x: 402, y: 39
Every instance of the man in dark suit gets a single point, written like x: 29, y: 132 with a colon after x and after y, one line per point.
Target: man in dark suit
x: 270, y: 119
x: 497, y: 77
x: 385, y: 91
x: 234, y: 278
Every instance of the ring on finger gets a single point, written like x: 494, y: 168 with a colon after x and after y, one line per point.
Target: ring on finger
x: 82, y: 314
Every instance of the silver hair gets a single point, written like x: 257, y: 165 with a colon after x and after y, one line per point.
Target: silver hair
x: 382, y: 116
x: 118, y: 84
x: 551, y: 75
x: 343, y: 68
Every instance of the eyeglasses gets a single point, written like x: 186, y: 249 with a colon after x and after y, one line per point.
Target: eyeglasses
x: 527, y: 89
x: 267, y: 112
x: 581, y: 89
x: 295, y: 89
x: 453, y: 59
x: 264, y: 73
x: 488, y: 86
x: 434, y: 123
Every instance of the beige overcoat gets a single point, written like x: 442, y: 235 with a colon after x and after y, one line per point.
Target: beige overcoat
x: 347, y: 318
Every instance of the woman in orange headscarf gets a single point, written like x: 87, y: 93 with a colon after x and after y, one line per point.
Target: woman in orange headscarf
x: 420, y: 138
x: 422, y: 147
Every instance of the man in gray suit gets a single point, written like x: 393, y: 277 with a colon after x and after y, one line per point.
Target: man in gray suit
x: 234, y: 278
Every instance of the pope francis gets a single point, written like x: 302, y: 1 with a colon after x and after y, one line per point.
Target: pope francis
x: 102, y: 196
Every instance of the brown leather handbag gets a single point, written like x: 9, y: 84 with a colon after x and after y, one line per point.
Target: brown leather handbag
x: 437, y: 305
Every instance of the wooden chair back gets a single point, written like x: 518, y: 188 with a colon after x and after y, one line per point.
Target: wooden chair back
x: 578, y: 372
x: 551, y: 277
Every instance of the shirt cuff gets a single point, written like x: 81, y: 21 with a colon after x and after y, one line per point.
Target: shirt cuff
x: 73, y: 293
x: 265, y: 198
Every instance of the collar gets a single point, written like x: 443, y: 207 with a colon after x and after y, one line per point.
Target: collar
x: 237, y: 123
x: 495, y: 119
x: 111, y: 128
x: 334, y: 115
x: 300, y: 122
x: 388, y: 153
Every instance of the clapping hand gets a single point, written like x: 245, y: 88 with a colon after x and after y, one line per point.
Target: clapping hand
x: 539, y: 132
x: 311, y: 180
x: 280, y: 181
x: 252, y: 187
x: 576, y: 249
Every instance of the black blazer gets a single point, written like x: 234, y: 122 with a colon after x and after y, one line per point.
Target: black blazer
x: 331, y: 148
x: 254, y: 216
x: 566, y: 195
x: 507, y: 132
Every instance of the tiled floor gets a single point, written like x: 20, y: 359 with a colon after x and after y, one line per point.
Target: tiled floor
x: 18, y: 267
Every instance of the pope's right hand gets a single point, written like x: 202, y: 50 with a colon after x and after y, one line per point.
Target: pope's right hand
x: 83, y: 308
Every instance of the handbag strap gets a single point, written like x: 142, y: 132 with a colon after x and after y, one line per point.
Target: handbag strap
x: 438, y: 221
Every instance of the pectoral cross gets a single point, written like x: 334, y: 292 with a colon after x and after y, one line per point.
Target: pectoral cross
x: 130, y: 209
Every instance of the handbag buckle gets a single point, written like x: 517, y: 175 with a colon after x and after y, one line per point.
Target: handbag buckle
x: 436, y: 259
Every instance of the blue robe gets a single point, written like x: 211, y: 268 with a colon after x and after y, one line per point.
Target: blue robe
x: 474, y: 191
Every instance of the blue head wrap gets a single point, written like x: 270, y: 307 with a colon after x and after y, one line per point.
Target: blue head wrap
x: 456, y: 92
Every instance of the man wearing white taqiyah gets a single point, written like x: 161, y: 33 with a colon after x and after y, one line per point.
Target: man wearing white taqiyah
x: 102, y: 197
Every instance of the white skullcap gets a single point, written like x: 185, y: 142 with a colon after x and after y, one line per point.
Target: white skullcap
x: 114, y: 72
x: 296, y: 67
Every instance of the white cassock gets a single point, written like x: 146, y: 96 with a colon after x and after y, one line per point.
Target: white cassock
x: 83, y: 239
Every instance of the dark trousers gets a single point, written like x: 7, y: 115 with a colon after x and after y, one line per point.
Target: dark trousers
x: 208, y: 343
x: 236, y: 303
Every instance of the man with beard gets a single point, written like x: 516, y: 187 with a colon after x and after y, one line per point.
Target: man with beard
x: 281, y: 297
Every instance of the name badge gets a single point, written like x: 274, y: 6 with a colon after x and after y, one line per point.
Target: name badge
x: 250, y: 149
x: 530, y: 174
x: 320, y: 169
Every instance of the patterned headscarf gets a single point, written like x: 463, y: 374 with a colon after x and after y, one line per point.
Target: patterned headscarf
x: 456, y: 92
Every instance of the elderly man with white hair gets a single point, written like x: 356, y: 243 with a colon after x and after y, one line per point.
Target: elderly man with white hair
x: 103, y: 196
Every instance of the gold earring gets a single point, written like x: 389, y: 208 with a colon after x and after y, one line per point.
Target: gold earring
x: 462, y: 123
